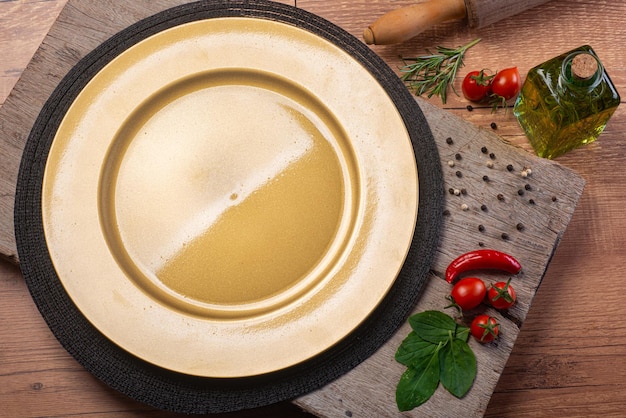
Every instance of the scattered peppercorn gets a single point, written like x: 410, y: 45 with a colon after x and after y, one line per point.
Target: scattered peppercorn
x: 449, y: 141
x: 464, y: 207
x: 489, y: 164
x: 481, y: 228
x: 469, y: 108
x: 531, y: 201
x: 484, y: 150
x: 528, y: 187
x: 494, y: 126
x: 500, y: 197
x: 486, y: 178
x: 481, y: 244
x: 520, y: 192
x: 458, y: 157
x: 554, y: 199
x: 451, y: 190
x: 509, y: 167
x: 492, y: 156
x: 459, y: 174
x: 526, y: 172
x: 446, y: 212
x: 505, y: 236
x: 463, y: 192
x: 483, y: 208
x: 457, y: 192
x: 520, y: 227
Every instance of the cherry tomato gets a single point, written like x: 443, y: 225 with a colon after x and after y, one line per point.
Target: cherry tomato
x: 501, y: 295
x: 469, y: 292
x: 506, y: 83
x: 476, y: 85
x: 485, y: 328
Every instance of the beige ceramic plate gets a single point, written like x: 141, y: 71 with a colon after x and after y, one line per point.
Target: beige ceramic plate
x: 230, y: 197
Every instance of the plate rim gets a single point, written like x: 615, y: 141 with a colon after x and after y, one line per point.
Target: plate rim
x: 176, y: 391
x: 110, y: 288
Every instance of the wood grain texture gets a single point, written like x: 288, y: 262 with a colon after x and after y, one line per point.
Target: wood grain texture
x: 481, y: 13
x: 568, y: 358
x: 24, y: 25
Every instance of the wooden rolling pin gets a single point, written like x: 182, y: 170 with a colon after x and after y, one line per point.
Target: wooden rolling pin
x: 407, y: 22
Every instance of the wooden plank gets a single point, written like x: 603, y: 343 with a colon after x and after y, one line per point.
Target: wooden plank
x: 23, y: 25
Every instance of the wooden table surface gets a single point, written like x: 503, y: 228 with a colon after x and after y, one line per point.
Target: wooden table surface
x: 570, y: 357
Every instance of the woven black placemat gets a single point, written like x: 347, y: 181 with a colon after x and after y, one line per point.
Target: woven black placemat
x: 181, y: 393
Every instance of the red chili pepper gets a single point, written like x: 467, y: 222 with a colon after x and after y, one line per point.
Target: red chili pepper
x: 482, y: 260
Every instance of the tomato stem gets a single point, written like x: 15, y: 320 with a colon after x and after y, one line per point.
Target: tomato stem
x: 503, y: 292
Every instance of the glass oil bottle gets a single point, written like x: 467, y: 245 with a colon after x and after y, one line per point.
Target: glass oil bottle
x: 566, y: 102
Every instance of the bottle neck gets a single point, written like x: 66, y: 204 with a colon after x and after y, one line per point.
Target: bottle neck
x: 581, y: 71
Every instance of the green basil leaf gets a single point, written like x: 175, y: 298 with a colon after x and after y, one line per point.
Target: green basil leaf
x: 414, y: 349
x: 433, y: 326
x: 457, y: 364
x: 462, y: 332
x: 418, y: 383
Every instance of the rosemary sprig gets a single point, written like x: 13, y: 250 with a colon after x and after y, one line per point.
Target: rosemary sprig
x: 432, y: 74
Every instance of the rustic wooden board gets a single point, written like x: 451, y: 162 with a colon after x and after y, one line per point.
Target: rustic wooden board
x: 367, y: 390
x: 21, y: 37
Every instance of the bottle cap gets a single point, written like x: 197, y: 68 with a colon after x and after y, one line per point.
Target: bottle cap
x: 584, y: 66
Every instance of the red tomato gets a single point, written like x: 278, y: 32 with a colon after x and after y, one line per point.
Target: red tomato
x: 485, y: 328
x: 469, y: 292
x: 501, y: 295
x: 506, y: 83
x: 476, y: 85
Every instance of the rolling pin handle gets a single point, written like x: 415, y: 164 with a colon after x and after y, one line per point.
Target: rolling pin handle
x: 407, y: 22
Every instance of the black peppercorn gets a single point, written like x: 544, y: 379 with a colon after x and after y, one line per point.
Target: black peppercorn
x: 494, y: 126
x: 449, y: 141
x: 509, y: 167
x: 484, y: 150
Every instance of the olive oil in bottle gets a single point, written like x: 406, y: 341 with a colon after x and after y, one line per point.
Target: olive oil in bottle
x: 566, y: 102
